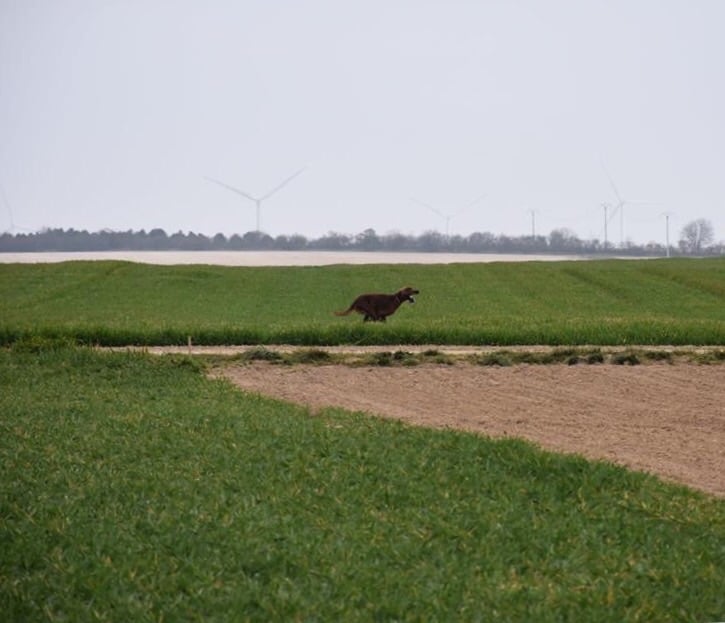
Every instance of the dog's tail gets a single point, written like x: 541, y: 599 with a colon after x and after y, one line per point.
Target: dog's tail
x: 343, y: 313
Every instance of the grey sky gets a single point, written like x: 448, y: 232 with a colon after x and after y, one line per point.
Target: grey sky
x: 112, y: 113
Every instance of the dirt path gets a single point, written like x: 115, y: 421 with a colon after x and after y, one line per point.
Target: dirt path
x: 665, y: 419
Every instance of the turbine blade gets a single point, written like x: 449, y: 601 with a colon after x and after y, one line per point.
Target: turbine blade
x: 6, y: 202
x: 611, y: 183
x: 614, y: 212
x: 430, y: 207
x: 282, y: 185
x: 465, y: 208
x: 228, y: 187
x: 9, y: 209
x: 475, y: 201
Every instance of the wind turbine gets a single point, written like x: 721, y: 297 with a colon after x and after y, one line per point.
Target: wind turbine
x: 13, y: 228
x: 257, y: 200
x: 618, y: 208
x: 445, y: 216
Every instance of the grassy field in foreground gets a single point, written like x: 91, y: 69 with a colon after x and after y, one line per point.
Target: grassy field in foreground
x: 598, y: 302
x: 135, y: 489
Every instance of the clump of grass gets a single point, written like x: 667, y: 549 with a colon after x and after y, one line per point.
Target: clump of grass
x: 569, y: 356
x: 658, y: 355
x: 565, y: 355
x: 260, y: 353
x: 405, y: 358
x: 435, y: 356
x: 627, y: 358
x: 386, y: 358
x: 197, y: 364
x: 557, y: 355
x: 309, y: 355
x: 595, y: 357
x: 711, y: 356
x: 502, y: 359
x: 34, y: 343
x: 530, y: 357
x: 383, y: 358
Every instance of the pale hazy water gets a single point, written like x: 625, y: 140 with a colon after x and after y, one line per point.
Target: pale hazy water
x: 278, y: 258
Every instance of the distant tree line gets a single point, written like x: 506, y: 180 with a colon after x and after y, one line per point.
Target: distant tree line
x: 696, y: 238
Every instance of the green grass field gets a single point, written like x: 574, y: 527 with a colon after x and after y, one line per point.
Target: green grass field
x: 134, y: 488
x: 676, y: 301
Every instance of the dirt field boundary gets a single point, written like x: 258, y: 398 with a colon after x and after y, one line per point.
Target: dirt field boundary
x: 666, y: 419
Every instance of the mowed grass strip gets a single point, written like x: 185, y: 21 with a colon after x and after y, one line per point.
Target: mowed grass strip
x: 676, y: 301
x: 135, y: 489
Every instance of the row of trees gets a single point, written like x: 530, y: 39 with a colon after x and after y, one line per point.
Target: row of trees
x: 696, y: 238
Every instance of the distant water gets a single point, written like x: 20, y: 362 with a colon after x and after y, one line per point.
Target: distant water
x: 277, y: 258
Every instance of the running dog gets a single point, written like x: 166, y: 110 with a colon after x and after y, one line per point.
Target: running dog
x: 377, y: 307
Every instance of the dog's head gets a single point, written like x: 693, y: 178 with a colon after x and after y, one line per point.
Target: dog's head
x: 406, y: 294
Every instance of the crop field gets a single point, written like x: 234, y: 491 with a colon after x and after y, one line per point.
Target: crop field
x: 558, y: 303
x: 138, y: 487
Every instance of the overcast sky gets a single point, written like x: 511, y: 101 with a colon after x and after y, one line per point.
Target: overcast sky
x: 113, y: 112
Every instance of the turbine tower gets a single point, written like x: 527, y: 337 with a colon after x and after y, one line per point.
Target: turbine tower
x: 667, y: 216
x: 444, y: 215
x: 606, y: 222
x: 533, y: 223
x: 257, y: 200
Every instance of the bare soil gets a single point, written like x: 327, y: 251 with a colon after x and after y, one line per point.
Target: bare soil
x: 661, y: 418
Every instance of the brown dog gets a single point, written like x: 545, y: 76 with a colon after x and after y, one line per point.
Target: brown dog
x: 377, y: 307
